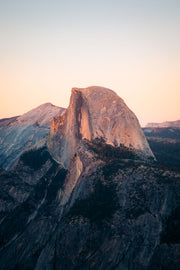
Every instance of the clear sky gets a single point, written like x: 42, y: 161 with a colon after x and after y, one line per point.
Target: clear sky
x: 131, y: 46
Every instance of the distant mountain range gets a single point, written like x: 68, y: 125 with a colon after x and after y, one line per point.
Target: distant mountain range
x: 166, y: 124
x: 169, y: 132
x: 164, y: 140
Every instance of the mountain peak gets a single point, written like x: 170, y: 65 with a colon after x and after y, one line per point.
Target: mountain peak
x: 95, y: 112
x: 93, y: 88
x: 41, y: 115
x: 96, y: 91
x: 47, y: 104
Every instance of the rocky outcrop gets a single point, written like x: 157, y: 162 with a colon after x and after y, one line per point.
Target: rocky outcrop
x: 20, y: 133
x: 95, y: 112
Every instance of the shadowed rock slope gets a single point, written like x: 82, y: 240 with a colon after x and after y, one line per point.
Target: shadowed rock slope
x: 112, y: 214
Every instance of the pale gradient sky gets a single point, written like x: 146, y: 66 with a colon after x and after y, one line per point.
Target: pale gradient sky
x: 131, y: 46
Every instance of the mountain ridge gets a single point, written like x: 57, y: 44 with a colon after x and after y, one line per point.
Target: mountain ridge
x: 173, y: 124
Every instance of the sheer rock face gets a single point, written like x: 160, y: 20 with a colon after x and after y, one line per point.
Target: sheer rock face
x: 95, y: 112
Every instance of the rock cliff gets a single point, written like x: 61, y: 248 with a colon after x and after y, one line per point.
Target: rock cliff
x: 111, y: 209
x: 95, y: 112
